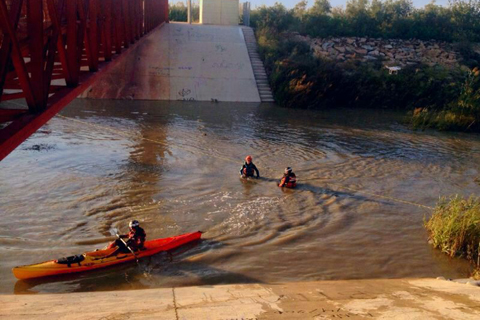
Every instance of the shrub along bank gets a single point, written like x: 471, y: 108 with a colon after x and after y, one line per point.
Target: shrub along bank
x: 461, y: 114
x: 300, y: 80
x: 454, y: 228
x: 399, y: 19
x: 437, y: 97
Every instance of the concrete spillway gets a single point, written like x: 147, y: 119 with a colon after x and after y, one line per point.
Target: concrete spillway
x: 183, y: 62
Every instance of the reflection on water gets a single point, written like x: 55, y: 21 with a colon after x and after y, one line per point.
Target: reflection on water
x: 174, y: 166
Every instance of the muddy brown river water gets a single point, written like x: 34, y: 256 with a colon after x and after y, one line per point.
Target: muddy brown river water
x: 174, y: 166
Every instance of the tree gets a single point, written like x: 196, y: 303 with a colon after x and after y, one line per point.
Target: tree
x: 466, y: 17
x: 276, y: 18
x: 397, y: 9
x: 356, y: 8
x: 321, y: 7
x: 300, y: 8
x: 177, y: 12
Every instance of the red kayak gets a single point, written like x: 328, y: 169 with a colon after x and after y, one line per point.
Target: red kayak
x: 100, y: 259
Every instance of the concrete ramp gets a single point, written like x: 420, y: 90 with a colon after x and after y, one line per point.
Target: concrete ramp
x: 183, y: 62
x: 400, y: 299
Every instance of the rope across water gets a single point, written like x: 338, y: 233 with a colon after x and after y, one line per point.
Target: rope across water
x: 129, y: 135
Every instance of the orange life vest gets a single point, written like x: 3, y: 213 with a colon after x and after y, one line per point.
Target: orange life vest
x: 291, y: 183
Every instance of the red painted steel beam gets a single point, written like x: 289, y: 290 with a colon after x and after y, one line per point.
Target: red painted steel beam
x: 72, y: 43
x: 61, y: 37
x: 51, y: 49
x: 36, y: 46
x: 118, y: 29
x: 12, y: 96
x: 8, y: 115
x: 107, y: 31
x: 55, y: 13
x: 93, y: 35
x: 127, y: 22
x: 6, y: 45
x: 22, y: 128
x: 16, y: 54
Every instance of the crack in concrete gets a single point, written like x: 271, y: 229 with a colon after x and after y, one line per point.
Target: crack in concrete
x: 175, y: 304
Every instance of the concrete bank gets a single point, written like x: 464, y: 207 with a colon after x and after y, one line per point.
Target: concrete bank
x: 183, y: 62
x: 350, y: 299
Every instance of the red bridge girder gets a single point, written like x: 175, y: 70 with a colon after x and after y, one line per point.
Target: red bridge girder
x: 53, y: 40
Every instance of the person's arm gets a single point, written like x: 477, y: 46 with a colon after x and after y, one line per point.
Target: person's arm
x: 134, y: 239
x: 241, y: 170
x: 282, y: 182
x: 142, y: 238
x: 256, y: 170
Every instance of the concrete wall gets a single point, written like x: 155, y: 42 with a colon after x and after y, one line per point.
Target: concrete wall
x: 183, y: 62
x: 219, y: 12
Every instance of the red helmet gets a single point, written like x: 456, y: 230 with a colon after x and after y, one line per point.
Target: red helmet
x: 248, y: 158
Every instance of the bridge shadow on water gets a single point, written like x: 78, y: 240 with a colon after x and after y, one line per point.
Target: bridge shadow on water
x: 149, y: 273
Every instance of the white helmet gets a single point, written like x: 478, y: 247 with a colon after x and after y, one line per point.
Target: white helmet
x: 133, y: 224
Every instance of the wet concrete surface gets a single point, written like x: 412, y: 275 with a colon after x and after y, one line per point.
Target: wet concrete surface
x: 352, y: 299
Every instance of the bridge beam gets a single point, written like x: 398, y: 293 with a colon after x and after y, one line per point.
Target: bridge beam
x: 42, y: 41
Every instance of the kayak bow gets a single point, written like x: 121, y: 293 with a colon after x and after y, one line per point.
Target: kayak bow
x: 100, y: 259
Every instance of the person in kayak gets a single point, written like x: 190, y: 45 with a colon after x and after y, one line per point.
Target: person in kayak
x: 289, y: 179
x: 248, y: 169
x: 135, y: 239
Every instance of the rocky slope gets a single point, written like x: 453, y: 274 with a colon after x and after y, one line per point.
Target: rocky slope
x: 391, y: 52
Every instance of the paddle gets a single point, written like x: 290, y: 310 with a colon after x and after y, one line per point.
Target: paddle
x: 114, y: 231
x: 94, y: 241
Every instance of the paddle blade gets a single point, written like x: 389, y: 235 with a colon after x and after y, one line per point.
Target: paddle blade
x: 113, y: 231
x: 94, y: 241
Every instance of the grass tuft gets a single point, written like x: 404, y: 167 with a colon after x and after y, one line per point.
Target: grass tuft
x: 454, y: 228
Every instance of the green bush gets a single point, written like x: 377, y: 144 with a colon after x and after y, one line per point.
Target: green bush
x: 443, y: 120
x: 454, y: 227
x: 276, y: 17
x: 458, y: 22
x: 470, y: 57
x: 461, y: 114
x: 441, y: 98
x: 178, y: 12
x: 300, y: 80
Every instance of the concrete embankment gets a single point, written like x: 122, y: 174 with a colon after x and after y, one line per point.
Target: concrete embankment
x: 349, y: 299
x: 183, y: 62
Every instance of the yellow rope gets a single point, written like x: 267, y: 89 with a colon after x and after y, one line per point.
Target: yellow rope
x: 128, y: 135
x: 383, y: 197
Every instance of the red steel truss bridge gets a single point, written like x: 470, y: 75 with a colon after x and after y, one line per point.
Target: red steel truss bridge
x: 52, y: 50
